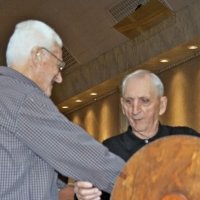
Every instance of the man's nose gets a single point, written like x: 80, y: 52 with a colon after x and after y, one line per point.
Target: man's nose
x: 136, y: 107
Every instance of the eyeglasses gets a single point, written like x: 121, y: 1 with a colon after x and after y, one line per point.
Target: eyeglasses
x: 61, y: 64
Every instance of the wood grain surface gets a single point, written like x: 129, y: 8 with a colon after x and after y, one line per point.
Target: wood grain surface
x: 167, y: 169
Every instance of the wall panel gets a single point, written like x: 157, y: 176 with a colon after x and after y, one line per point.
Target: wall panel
x: 183, y: 90
x: 103, y: 118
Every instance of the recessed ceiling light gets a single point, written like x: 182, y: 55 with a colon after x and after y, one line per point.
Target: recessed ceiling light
x: 192, y: 47
x: 65, y: 107
x: 93, y: 93
x: 78, y: 100
x: 164, y: 60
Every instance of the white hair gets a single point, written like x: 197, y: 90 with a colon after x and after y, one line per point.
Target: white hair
x: 156, y: 82
x: 27, y: 35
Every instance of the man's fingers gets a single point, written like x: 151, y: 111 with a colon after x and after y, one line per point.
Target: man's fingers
x: 86, y: 191
x: 83, y: 184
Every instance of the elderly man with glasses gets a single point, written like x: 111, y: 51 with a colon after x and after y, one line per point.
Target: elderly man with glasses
x: 36, y: 141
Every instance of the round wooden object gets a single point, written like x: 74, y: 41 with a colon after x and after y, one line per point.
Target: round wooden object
x: 166, y: 169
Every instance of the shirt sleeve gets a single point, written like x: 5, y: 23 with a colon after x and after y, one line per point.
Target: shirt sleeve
x: 65, y: 146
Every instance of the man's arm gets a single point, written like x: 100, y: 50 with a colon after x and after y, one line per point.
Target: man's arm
x: 66, y: 147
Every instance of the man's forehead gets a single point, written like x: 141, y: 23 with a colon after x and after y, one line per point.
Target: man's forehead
x: 130, y: 96
x: 139, y: 84
x: 143, y: 79
x: 139, y: 90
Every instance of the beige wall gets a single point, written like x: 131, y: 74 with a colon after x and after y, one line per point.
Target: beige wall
x: 183, y: 90
x: 103, y: 118
x: 100, y: 119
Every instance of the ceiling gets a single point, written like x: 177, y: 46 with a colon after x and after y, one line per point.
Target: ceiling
x: 86, y: 27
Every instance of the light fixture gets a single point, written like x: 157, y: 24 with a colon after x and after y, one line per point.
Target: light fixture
x: 192, y: 47
x: 65, y: 107
x: 164, y: 60
x: 93, y: 93
x: 78, y: 100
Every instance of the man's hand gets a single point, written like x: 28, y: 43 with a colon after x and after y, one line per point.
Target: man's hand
x: 85, y: 191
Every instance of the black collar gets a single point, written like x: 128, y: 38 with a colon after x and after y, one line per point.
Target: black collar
x: 131, y: 138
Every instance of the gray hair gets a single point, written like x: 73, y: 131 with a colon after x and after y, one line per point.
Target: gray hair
x: 157, y: 83
x: 27, y: 35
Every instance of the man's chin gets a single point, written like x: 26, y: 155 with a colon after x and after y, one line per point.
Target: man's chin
x: 138, y: 126
x: 140, y: 130
x: 48, y: 92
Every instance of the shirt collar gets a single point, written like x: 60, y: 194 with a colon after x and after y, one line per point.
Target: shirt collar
x: 7, y: 71
x: 132, y: 138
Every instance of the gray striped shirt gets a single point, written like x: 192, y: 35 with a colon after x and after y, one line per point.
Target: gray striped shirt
x: 37, y: 141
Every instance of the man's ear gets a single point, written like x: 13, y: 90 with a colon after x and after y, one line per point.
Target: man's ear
x: 163, y: 105
x: 36, y: 55
x: 122, y: 105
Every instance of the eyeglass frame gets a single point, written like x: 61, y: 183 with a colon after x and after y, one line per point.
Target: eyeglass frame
x: 61, y: 64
